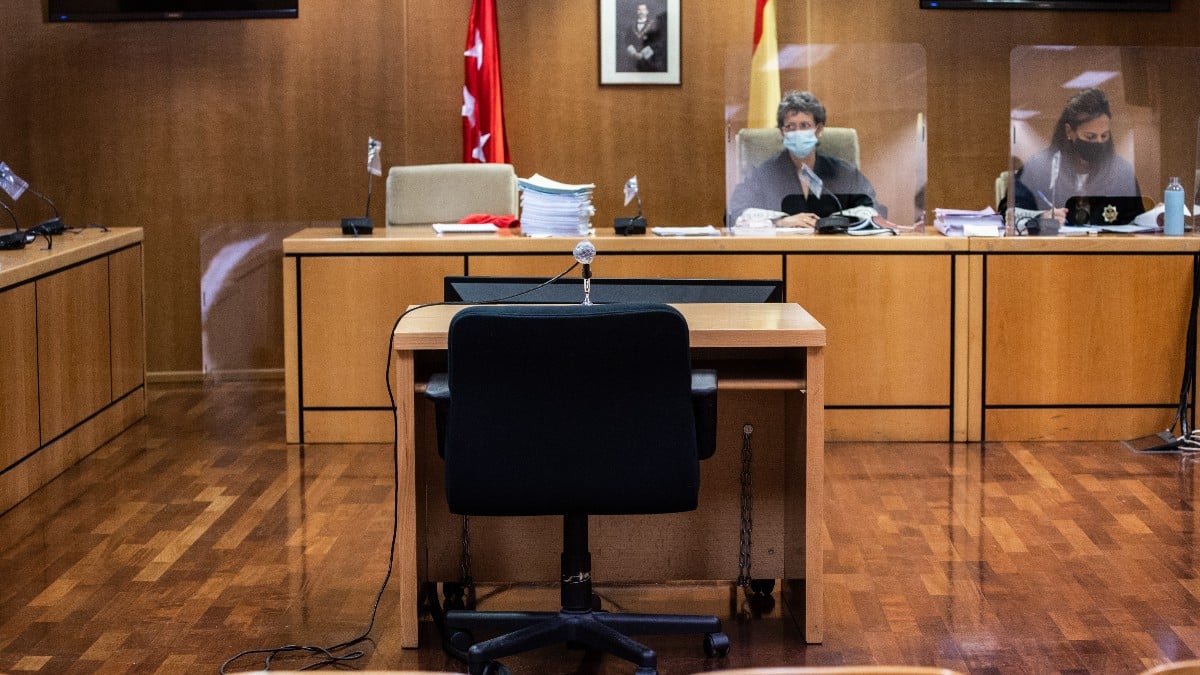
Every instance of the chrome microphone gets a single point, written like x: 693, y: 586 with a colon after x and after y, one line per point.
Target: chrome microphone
x: 585, y: 253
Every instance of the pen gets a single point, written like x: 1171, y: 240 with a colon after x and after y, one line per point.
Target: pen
x: 1047, y: 201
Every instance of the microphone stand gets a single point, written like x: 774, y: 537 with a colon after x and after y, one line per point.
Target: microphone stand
x: 15, y: 240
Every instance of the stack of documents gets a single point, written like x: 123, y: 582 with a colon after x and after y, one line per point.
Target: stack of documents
x: 963, y: 223
x: 550, y: 208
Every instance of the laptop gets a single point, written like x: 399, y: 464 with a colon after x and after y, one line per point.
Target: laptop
x: 1101, y: 210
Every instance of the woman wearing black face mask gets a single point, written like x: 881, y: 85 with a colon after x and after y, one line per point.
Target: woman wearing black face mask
x: 1079, y: 161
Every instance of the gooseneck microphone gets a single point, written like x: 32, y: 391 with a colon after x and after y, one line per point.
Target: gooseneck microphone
x: 53, y: 225
x: 585, y: 253
x: 16, y: 240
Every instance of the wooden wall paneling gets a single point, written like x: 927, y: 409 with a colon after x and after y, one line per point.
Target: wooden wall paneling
x: 1092, y: 312
x: 73, y: 346
x: 563, y: 124
x: 173, y: 126
x: 177, y: 125
x: 18, y: 374
x: 128, y: 336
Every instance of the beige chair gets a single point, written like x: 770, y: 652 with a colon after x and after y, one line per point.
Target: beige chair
x: 838, y: 670
x: 1001, y: 186
x: 444, y: 193
x: 1189, y: 667
x: 755, y: 146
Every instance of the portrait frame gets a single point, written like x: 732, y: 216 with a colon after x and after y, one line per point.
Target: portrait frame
x: 624, y: 62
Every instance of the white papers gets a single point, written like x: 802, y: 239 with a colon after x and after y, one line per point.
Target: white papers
x: 703, y: 231
x: 464, y: 228
x: 545, y: 185
x: 550, y: 208
x: 966, y: 223
x: 743, y: 231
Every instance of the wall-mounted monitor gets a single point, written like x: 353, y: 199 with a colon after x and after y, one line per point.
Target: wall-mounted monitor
x: 165, y: 10
x: 1094, y: 5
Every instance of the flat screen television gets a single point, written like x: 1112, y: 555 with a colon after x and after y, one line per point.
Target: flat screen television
x: 164, y: 10
x: 1125, y: 5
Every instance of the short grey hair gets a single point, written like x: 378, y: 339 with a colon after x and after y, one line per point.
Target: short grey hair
x: 800, y: 102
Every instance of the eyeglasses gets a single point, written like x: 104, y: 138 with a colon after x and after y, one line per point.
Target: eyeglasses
x: 801, y: 126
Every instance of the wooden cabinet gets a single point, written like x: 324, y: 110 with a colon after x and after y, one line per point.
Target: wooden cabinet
x: 18, y: 375
x: 1083, y: 346
x: 930, y: 338
x: 890, y: 359
x: 71, y: 318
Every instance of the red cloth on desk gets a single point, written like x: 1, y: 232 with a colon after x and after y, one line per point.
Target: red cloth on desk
x: 498, y: 221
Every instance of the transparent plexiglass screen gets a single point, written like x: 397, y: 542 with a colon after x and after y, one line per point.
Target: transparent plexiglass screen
x: 1064, y: 145
x: 878, y: 90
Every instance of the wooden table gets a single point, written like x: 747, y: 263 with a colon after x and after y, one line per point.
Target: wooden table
x: 769, y: 349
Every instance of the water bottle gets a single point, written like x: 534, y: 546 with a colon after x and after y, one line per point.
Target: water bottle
x: 1173, y: 208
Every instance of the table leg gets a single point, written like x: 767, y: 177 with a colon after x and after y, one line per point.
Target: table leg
x: 405, y: 565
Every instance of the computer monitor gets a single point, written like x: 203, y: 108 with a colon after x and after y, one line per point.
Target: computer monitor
x: 610, y: 290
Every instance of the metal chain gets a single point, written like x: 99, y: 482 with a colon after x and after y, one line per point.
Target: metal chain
x: 747, y: 526
x: 465, y: 565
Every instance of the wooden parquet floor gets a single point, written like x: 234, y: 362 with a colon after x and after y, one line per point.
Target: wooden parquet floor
x: 198, y: 534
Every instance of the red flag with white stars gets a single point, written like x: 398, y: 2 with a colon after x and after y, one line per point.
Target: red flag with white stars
x: 484, y: 139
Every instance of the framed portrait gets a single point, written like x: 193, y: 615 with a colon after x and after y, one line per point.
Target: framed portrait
x: 639, y: 41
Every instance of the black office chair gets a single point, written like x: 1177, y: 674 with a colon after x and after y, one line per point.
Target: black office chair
x: 572, y: 410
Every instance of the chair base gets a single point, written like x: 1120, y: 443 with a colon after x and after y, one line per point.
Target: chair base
x: 603, y: 631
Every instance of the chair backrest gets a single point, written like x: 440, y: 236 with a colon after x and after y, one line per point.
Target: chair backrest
x: 439, y: 193
x: 757, y: 145
x: 1001, y: 187
x: 570, y: 410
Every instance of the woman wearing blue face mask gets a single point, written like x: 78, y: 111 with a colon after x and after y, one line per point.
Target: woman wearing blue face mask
x: 1079, y: 161
x: 802, y: 181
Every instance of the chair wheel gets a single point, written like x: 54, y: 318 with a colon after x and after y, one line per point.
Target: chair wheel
x: 716, y: 645
x: 461, y: 640
x: 491, y: 668
x: 762, y: 586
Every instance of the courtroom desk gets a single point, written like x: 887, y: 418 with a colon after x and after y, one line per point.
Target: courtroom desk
x: 770, y: 364
x: 72, y: 329
x: 894, y: 308
x: 1077, y: 338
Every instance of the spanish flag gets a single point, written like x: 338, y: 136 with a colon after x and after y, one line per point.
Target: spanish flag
x: 764, y: 67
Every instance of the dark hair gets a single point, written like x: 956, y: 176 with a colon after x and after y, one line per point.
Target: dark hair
x: 1082, y: 108
x: 799, y: 102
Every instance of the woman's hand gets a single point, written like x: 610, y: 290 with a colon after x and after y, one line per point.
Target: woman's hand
x: 1058, y: 214
x: 799, y: 220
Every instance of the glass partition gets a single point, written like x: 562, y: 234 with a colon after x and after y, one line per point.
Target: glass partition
x: 874, y: 97
x: 241, y: 297
x: 1098, y: 131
